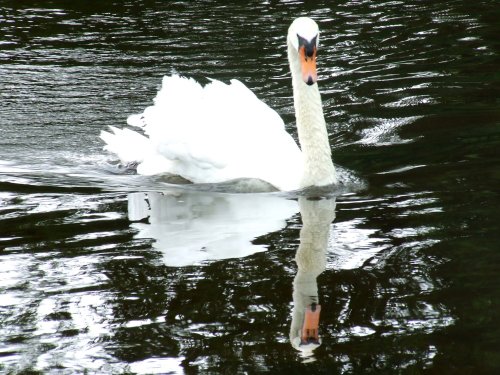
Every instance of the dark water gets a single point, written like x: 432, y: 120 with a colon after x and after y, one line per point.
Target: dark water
x: 111, y: 273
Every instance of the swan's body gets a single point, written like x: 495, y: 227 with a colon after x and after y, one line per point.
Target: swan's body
x: 222, y: 132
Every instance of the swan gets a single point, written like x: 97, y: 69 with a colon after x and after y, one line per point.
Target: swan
x: 223, y: 132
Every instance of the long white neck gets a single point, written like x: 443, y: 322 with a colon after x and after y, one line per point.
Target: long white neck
x: 313, y: 137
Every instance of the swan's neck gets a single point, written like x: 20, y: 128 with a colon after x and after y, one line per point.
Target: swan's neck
x: 313, y: 137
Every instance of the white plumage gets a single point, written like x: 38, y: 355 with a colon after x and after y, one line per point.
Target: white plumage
x: 222, y: 132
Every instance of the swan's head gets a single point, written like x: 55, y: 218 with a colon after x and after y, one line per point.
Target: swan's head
x: 303, y: 37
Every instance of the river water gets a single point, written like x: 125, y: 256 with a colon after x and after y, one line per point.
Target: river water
x: 108, y: 272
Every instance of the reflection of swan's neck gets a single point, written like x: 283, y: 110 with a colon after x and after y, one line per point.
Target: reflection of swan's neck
x: 313, y: 137
x: 317, y: 216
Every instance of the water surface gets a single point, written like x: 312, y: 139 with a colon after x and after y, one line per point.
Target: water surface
x: 106, y: 272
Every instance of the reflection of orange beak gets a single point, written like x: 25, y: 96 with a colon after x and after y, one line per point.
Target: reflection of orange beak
x: 310, y: 328
x: 308, y: 65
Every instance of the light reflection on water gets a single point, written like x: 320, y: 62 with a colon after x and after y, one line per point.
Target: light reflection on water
x: 107, y: 272
x: 72, y: 309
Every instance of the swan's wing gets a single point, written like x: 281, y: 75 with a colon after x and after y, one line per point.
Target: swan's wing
x: 216, y: 132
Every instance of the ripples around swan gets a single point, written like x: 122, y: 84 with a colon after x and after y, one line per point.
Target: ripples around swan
x: 110, y: 272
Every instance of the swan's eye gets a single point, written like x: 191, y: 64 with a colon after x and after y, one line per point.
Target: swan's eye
x: 309, y: 46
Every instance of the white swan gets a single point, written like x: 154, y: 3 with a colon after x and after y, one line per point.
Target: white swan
x: 222, y: 132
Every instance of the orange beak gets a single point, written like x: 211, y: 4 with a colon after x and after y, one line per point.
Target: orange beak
x: 308, y: 66
x: 310, y: 328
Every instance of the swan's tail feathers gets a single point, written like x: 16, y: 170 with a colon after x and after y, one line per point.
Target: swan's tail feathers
x: 132, y: 147
x: 127, y: 144
x: 137, y: 120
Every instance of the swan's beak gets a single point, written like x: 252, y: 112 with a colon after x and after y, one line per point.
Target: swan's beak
x: 307, y: 53
x: 309, y: 333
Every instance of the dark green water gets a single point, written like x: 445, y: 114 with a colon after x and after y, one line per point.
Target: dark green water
x: 110, y: 273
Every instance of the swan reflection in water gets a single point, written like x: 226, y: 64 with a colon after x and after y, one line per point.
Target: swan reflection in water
x: 317, y: 216
x: 191, y: 227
